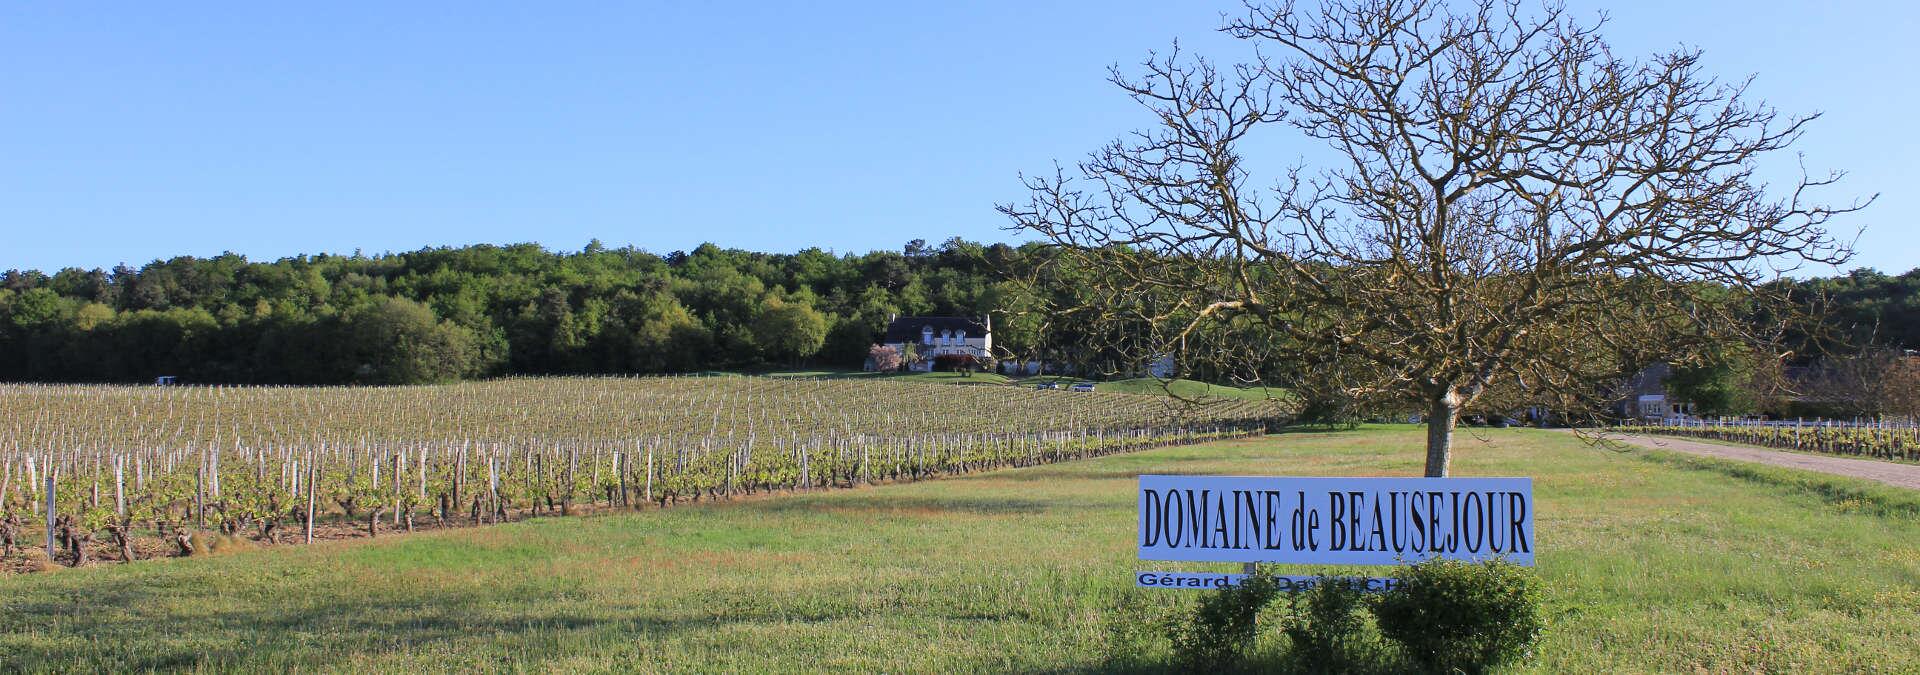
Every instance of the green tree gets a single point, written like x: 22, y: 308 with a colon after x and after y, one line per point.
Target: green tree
x: 399, y: 341
x: 668, y: 338
x: 789, y: 330
x: 1718, y: 383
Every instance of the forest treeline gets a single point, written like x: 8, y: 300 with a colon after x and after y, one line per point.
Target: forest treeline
x: 440, y: 314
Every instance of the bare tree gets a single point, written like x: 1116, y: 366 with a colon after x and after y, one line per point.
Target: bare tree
x: 1875, y: 383
x: 1515, y: 213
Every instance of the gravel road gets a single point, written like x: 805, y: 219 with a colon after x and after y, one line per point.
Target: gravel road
x: 1898, y: 475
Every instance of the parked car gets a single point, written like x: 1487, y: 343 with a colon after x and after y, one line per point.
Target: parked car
x: 1082, y: 386
x: 1047, y: 385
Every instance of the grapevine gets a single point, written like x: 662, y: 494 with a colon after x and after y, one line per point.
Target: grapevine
x: 144, y: 471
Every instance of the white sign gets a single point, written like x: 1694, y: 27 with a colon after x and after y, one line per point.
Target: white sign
x: 1335, y: 521
x: 1207, y: 581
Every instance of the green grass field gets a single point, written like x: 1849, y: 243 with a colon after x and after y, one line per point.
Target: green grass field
x: 1190, y: 389
x: 1656, y: 563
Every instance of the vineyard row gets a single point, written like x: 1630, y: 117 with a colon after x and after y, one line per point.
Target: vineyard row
x: 112, y: 472
x: 1897, y: 443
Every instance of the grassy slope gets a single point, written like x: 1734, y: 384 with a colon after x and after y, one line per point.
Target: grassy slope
x: 1187, y: 389
x: 946, y: 378
x: 1144, y: 385
x: 1657, y: 566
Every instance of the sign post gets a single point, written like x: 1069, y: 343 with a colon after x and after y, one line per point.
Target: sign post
x: 1328, y: 521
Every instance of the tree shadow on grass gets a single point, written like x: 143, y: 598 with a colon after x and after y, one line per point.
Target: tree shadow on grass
x: 125, y: 627
x: 96, y: 635
x: 1372, y: 661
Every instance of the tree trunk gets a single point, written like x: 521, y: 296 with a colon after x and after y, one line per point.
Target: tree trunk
x: 1443, y: 413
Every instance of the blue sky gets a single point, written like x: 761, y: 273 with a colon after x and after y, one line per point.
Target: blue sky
x: 135, y: 131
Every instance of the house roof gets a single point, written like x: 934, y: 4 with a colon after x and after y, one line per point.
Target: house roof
x: 1650, y: 380
x: 908, y: 328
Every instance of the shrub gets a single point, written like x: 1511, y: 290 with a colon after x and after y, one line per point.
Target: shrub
x: 1329, y: 410
x: 955, y: 363
x: 1136, y: 626
x: 1326, y: 623
x: 884, y: 358
x: 1452, y: 616
x: 1222, y: 627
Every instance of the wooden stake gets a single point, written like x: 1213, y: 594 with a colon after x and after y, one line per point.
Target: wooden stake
x: 312, y: 479
x: 119, y: 485
x: 50, y: 509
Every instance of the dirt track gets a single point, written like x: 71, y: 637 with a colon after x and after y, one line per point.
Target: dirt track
x: 1898, y: 475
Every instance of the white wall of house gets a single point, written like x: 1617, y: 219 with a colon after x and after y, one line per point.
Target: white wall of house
x: 944, y: 342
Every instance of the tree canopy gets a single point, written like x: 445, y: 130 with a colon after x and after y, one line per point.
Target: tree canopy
x: 444, y: 313
x: 1514, y: 214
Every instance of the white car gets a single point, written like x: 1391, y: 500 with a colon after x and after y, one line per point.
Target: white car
x: 1082, y: 386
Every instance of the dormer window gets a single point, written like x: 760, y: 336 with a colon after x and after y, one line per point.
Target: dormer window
x: 960, y: 336
x: 926, y: 335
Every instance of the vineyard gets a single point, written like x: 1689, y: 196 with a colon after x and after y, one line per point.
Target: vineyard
x: 123, y: 473
x: 1875, y: 441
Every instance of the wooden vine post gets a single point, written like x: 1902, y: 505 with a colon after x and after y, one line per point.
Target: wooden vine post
x: 50, y: 510
x: 313, y: 478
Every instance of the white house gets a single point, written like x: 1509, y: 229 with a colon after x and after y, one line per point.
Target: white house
x: 931, y: 337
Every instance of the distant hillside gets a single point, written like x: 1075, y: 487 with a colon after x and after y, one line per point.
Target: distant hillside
x: 448, y: 313
x: 442, y: 314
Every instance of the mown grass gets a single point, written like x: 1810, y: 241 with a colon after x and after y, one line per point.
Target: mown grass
x: 939, y: 378
x: 1189, y: 389
x: 1653, y: 565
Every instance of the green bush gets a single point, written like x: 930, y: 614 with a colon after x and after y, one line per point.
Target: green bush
x: 1136, y: 626
x: 1327, y: 623
x: 1329, y: 411
x: 1454, y: 616
x: 1221, y: 630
